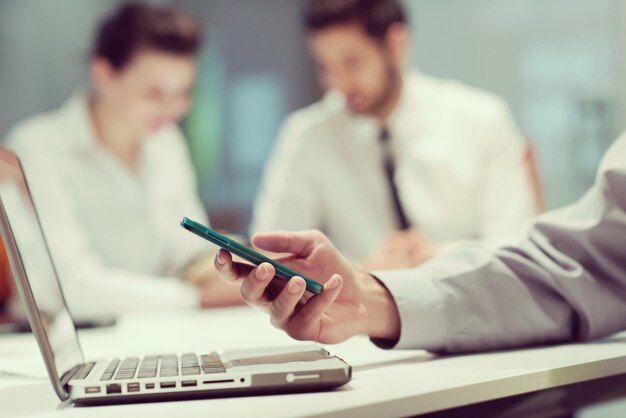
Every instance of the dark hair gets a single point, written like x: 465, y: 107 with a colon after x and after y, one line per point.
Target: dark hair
x: 376, y: 16
x: 136, y: 26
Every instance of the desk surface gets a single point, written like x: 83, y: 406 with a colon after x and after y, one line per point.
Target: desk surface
x: 385, y: 383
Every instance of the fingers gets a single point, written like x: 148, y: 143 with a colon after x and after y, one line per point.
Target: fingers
x: 228, y: 270
x: 306, y: 323
x: 284, y: 305
x: 298, y: 243
x: 257, y: 284
x: 254, y: 287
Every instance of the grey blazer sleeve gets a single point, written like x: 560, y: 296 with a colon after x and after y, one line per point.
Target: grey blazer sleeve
x: 565, y: 282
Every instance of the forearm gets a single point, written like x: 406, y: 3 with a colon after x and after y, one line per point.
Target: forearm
x: 473, y: 299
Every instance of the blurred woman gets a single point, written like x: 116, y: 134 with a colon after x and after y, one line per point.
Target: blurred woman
x: 111, y: 175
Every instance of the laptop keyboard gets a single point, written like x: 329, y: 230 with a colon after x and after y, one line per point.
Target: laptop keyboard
x: 162, y: 366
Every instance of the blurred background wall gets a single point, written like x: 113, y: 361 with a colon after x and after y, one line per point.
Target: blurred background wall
x: 556, y: 62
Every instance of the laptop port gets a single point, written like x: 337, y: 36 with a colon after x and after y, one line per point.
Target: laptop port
x: 92, y: 389
x: 149, y: 385
x: 187, y: 383
x: 208, y: 382
x: 133, y: 387
x: 114, y: 388
x: 168, y: 385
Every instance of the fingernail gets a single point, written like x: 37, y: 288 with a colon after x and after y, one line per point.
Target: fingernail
x: 333, y: 283
x: 263, y: 273
x: 220, y: 259
x: 294, y: 286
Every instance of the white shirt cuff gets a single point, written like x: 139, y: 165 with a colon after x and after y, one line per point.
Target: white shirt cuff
x: 421, y: 306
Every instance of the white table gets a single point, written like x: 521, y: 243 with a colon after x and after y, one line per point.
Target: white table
x: 385, y: 383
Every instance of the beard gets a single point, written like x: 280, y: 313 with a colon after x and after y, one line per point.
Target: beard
x: 386, y: 99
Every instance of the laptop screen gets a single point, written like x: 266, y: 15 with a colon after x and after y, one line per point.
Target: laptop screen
x: 29, y: 249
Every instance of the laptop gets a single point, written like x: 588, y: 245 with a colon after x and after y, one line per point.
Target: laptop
x: 135, y: 378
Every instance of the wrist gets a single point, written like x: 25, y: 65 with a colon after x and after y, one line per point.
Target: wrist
x: 383, y: 316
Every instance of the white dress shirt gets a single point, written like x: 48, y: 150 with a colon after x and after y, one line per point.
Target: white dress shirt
x: 114, y: 235
x: 459, y: 170
x: 566, y: 281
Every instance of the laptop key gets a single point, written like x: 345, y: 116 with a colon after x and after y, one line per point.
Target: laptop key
x: 148, y: 367
x: 169, y: 366
x: 84, y: 371
x: 127, y: 369
x: 191, y: 371
x: 110, y: 370
x: 211, y: 363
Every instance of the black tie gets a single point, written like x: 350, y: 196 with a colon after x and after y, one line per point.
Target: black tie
x: 390, y: 170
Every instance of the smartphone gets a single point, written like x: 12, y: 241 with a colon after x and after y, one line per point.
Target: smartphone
x: 246, y: 253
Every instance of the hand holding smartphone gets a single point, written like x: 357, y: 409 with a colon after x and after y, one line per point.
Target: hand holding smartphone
x: 247, y: 254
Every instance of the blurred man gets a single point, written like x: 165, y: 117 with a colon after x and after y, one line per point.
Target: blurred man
x: 394, y: 165
x: 565, y: 282
x: 111, y: 174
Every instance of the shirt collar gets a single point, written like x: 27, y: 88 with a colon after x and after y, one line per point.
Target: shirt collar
x: 75, y: 113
